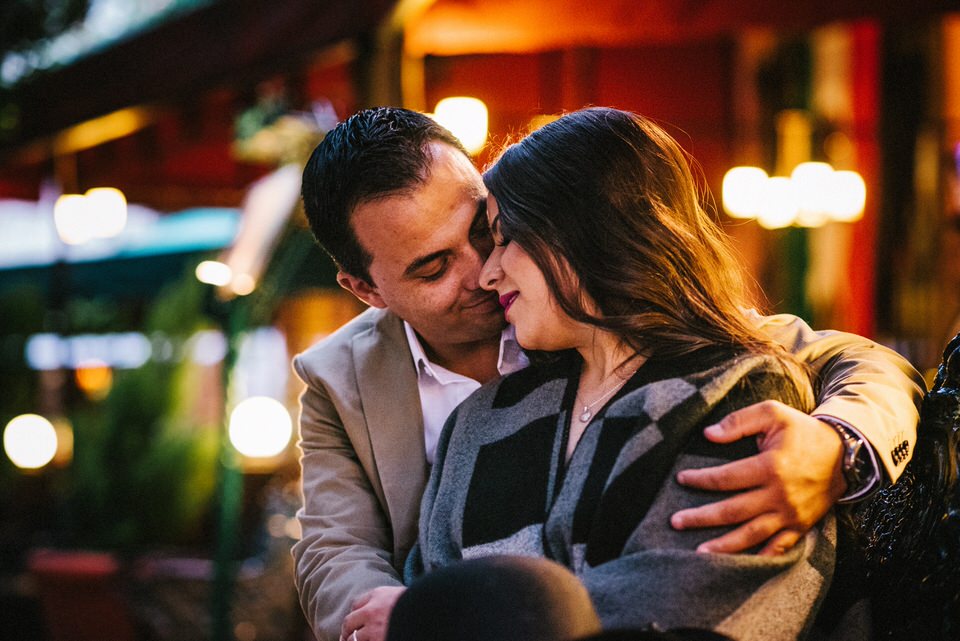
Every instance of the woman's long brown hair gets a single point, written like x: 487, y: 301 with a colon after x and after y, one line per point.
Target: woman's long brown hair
x: 604, y: 201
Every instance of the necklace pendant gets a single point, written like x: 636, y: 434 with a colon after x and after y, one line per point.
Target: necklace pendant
x: 585, y: 415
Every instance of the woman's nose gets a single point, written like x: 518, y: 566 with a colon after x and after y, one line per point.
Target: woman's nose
x: 491, y: 273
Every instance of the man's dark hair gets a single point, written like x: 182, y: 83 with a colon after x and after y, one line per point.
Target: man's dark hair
x: 373, y: 154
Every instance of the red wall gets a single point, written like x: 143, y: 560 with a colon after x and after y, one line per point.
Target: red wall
x: 687, y: 88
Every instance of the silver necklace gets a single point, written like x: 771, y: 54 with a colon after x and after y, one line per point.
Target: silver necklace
x: 587, y: 412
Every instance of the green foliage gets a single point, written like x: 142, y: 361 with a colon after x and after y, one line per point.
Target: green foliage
x: 98, y: 316
x: 144, y: 470
x: 21, y: 310
x: 21, y: 314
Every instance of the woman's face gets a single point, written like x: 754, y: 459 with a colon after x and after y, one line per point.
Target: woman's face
x: 528, y: 303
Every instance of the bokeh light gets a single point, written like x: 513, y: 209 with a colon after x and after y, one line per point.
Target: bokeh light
x: 107, y: 211
x: 849, y: 196
x: 742, y: 191
x: 30, y: 441
x: 260, y: 427
x: 812, y: 181
x: 779, y: 203
x: 243, y: 284
x: 466, y: 118
x: 69, y: 216
x: 213, y: 272
x: 94, y: 378
x: 100, y: 213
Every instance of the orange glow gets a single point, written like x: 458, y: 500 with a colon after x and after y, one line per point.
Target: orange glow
x: 94, y: 378
x: 100, y: 130
x: 64, y: 453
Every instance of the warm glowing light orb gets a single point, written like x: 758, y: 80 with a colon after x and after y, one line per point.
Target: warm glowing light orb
x: 94, y: 378
x: 812, y: 181
x: 849, y: 196
x: 243, y: 284
x: 70, y: 218
x: 780, y: 204
x: 100, y: 213
x: 214, y: 272
x: 30, y: 441
x: 260, y: 427
x: 812, y: 196
x: 107, y: 211
x: 466, y: 118
x: 742, y: 191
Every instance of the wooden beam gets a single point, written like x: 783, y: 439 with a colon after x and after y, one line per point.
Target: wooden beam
x: 224, y: 44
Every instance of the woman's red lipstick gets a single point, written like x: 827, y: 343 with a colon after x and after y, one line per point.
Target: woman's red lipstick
x: 507, y: 300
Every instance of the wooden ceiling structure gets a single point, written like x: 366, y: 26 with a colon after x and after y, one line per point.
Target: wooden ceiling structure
x: 218, y: 45
x: 240, y: 42
x: 454, y: 27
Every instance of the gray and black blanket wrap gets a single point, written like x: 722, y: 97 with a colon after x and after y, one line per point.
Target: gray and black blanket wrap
x: 500, y: 485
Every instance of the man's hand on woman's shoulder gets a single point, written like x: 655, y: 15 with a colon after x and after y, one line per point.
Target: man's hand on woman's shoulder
x: 783, y: 490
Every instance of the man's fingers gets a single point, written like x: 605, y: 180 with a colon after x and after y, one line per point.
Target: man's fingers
x: 732, y: 511
x: 353, y: 621
x: 744, y: 474
x: 370, y: 614
x: 780, y: 543
x: 748, y: 535
x: 362, y: 600
x: 748, y: 421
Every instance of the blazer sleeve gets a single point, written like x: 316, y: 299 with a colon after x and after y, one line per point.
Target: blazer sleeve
x: 864, y: 384
x: 346, y: 542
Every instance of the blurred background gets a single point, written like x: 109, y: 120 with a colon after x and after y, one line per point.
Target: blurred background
x: 157, y: 275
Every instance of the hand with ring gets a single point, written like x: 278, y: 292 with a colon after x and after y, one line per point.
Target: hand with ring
x: 371, y: 613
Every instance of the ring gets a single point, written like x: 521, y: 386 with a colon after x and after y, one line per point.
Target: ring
x: 353, y: 637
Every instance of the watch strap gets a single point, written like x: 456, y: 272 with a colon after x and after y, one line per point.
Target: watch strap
x: 860, y: 467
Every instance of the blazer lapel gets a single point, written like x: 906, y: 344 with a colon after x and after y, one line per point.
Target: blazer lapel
x: 391, y: 406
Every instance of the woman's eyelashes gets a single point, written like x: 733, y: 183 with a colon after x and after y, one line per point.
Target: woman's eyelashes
x: 479, y: 228
x: 499, y: 238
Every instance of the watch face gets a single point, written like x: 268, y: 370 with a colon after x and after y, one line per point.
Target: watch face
x: 854, y: 459
x: 858, y: 466
x: 855, y: 464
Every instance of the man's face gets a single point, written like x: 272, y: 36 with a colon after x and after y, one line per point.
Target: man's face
x: 428, y: 247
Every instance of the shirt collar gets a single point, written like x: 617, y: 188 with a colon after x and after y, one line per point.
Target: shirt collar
x: 510, y: 359
x: 512, y: 356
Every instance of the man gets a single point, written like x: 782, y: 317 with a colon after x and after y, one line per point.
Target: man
x: 399, y: 206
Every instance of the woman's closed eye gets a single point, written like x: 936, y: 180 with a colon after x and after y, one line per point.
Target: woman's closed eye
x: 499, y: 238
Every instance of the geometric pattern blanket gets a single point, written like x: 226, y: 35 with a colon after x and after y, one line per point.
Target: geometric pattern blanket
x: 500, y: 485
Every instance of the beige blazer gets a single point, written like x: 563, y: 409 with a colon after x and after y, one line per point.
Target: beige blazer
x: 364, y: 463
x: 364, y: 466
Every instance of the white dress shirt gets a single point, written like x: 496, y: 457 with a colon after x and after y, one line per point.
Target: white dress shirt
x: 442, y: 390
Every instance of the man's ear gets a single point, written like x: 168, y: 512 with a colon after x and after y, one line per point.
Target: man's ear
x: 361, y: 289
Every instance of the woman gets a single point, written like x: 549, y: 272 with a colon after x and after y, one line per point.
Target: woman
x: 605, y: 258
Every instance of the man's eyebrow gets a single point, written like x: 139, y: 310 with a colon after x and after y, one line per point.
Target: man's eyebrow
x: 423, y: 261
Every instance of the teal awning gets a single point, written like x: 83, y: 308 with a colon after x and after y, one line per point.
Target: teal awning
x: 136, y: 265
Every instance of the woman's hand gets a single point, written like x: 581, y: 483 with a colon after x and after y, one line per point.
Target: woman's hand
x: 784, y: 489
x: 370, y: 614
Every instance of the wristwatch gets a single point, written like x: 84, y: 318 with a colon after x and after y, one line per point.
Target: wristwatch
x: 858, y: 465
